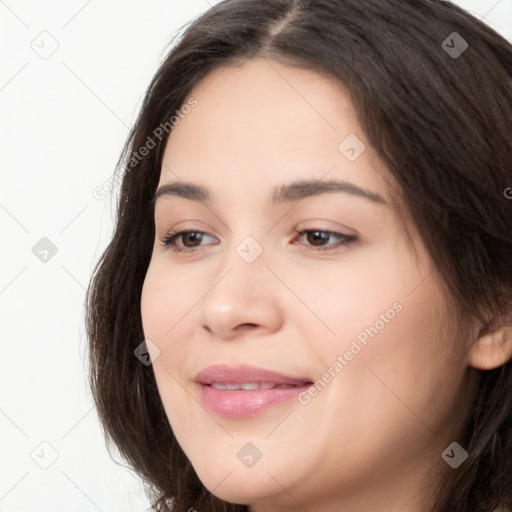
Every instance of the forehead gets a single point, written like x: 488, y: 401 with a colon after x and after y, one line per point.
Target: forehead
x: 262, y: 123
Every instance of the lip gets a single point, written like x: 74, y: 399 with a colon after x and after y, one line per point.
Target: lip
x: 240, y: 404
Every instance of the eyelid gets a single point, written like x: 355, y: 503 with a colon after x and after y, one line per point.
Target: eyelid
x: 185, y: 226
x: 320, y: 224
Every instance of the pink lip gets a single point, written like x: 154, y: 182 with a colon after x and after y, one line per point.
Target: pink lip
x: 245, y: 403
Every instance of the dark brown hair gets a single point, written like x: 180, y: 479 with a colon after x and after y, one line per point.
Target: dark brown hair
x: 442, y: 124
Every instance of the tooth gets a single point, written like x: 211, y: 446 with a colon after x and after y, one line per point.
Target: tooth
x: 284, y: 386
x: 267, y: 385
x: 218, y: 385
x: 251, y: 385
x: 233, y: 386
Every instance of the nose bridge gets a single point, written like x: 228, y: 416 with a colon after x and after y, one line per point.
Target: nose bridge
x: 243, y: 268
x: 241, y: 293
x: 247, y: 237
x: 250, y: 250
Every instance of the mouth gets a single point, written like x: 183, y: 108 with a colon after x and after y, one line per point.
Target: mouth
x: 244, y: 391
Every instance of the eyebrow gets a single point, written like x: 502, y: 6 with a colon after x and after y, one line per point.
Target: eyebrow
x: 283, y: 193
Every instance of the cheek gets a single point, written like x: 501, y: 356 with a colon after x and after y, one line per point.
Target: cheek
x: 357, y: 298
x: 169, y: 311
x: 167, y: 298
x: 165, y: 307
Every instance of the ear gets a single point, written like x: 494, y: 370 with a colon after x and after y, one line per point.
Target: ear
x: 492, y: 348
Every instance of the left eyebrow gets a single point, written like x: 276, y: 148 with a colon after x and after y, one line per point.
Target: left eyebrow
x: 308, y: 188
x: 281, y: 194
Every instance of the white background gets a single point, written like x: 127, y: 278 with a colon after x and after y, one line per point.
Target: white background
x: 63, y: 122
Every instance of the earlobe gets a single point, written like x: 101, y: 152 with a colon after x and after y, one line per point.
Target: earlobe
x: 492, y: 349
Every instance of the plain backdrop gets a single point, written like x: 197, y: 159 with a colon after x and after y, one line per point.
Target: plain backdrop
x: 71, y: 81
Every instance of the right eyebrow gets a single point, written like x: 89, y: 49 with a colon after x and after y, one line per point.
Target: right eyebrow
x: 184, y: 190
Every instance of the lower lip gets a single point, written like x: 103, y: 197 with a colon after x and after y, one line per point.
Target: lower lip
x: 244, y: 404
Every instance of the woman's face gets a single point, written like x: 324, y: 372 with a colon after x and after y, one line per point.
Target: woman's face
x: 351, y: 323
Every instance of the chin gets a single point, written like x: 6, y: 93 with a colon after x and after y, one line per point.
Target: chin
x: 243, y: 486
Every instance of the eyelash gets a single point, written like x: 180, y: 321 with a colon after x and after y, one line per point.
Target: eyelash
x: 170, y: 237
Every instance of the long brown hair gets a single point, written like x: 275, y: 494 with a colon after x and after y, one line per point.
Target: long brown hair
x: 441, y: 122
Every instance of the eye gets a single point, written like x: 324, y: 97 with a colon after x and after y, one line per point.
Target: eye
x: 318, y: 237
x: 189, y: 239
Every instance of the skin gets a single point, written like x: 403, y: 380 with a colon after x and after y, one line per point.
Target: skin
x: 369, y: 438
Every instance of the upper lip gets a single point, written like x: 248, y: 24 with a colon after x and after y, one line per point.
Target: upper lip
x: 245, y: 374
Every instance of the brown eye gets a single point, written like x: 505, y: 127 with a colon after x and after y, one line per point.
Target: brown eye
x: 189, y: 240
x: 317, y: 237
x: 191, y: 237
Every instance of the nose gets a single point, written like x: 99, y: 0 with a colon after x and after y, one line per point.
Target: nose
x: 244, y: 297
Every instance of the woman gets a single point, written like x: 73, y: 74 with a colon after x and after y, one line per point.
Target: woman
x: 307, y: 300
